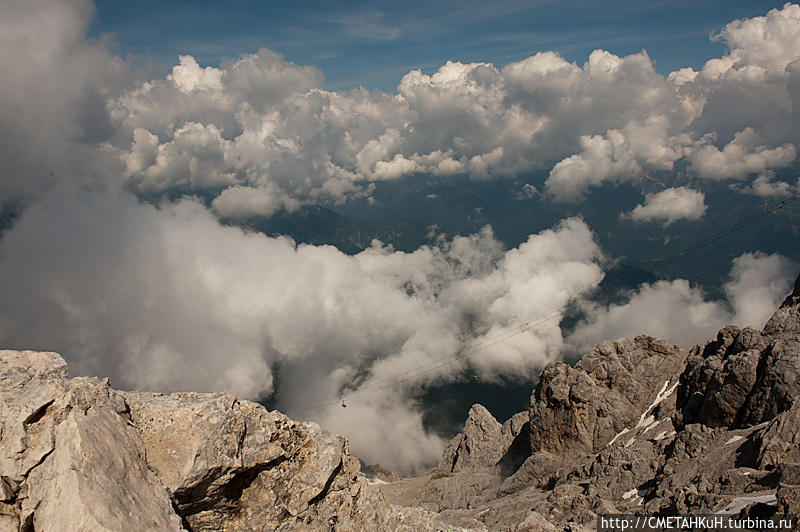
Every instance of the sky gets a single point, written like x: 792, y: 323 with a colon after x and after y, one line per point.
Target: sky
x: 373, y: 44
x: 130, y: 165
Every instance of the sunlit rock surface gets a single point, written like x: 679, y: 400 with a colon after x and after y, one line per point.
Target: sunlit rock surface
x: 637, y: 426
x: 76, y: 454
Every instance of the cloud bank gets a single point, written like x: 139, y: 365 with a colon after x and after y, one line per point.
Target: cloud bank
x: 162, y: 296
x: 682, y: 314
x: 166, y: 298
x: 261, y: 135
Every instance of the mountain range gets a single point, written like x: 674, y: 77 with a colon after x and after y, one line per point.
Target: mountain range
x: 637, y: 426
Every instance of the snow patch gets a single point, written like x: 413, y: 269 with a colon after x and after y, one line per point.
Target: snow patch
x: 647, y: 420
x: 734, y: 439
x: 637, y: 495
x: 649, y: 423
x: 740, y: 503
x: 620, y: 433
x: 662, y: 394
x: 663, y: 435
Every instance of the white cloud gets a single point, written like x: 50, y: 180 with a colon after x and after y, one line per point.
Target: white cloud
x: 739, y: 157
x: 189, y: 77
x: 166, y: 298
x: 758, y: 283
x: 620, y: 155
x: 238, y: 202
x: 771, y: 41
x: 600, y: 159
x: 670, y: 205
x: 612, y: 119
x: 766, y: 186
x: 314, y: 145
x: 52, y: 98
x: 681, y: 313
x: 259, y: 121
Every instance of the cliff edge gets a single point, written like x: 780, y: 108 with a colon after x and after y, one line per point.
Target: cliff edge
x: 75, y: 454
x: 637, y: 426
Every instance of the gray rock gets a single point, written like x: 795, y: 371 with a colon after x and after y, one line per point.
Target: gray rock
x: 538, y: 469
x: 788, y: 496
x: 578, y: 411
x: 482, y: 443
x: 778, y: 443
x: 78, y: 455
x: 719, y: 377
x: 744, y: 377
x: 535, y: 522
x: 68, y: 458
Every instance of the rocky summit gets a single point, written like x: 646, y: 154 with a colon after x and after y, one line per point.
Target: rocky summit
x: 637, y: 426
x: 76, y: 454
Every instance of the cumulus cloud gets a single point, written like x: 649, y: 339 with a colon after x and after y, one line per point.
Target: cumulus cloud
x: 619, y: 155
x: 55, y: 84
x: 239, y: 202
x: 314, y: 145
x: 682, y: 313
x: 747, y: 99
x: 766, y: 186
x: 740, y: 157
x: 261, y: 122
x: 757, y: 284
x: 670, y: 205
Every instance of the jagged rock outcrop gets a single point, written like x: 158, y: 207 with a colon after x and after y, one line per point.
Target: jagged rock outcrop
x: 744, y: 377
x: 577, y: 411
x: 639, y: 426
x: 68, y: 458
x: 480, y: 444
x: 76, y: 454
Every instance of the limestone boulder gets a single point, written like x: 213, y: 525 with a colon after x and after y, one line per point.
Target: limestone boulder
x: 69, y: 458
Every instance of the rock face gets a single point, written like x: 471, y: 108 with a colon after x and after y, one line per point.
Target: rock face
x: 77, y: 455
x: 68, y: 459
x: 638, y: 426
x: 742, y: 378
x: 577, y: 411
x: 477, y: 446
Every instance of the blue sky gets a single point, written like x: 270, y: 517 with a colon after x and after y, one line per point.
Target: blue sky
x: 374, y: 44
